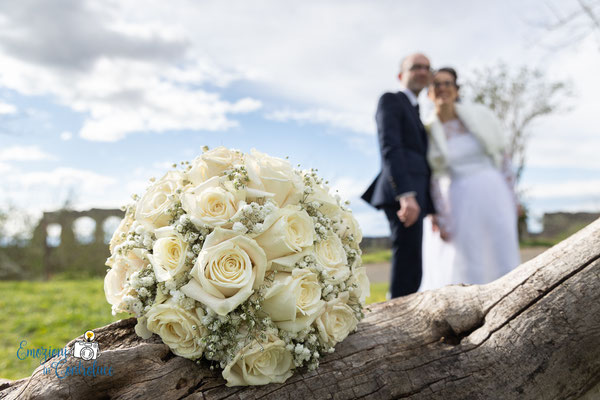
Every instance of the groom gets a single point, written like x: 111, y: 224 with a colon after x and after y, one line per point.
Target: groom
x: 402, y: 187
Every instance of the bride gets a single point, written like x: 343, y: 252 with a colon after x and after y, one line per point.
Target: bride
x: 474, y: 238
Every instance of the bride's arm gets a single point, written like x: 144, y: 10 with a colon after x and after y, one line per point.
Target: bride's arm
x: 442, y: 207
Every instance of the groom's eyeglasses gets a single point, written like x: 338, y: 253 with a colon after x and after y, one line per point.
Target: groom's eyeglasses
x: 416, y: 67
x: 441, y: 84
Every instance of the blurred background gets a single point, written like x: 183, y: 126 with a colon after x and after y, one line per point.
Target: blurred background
x: 97, y: 97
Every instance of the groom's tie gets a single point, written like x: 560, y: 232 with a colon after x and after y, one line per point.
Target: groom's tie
x: 419, y: 119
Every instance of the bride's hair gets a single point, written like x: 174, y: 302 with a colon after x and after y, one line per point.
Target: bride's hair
x: 451, y: 71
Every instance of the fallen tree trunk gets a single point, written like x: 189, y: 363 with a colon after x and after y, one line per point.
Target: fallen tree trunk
x: 533, y: 334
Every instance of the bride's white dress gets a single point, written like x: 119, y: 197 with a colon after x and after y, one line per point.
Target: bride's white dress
x: 481, y: 216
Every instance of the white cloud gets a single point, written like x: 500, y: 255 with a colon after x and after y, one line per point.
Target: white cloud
x: 349, y: 188
x: 565, y: 189
x: 64, y: 177
x: 328, y: 71
x: 582, y: 206
x: 38, y: 191
x: 367, y: 145
x: 164, y: 165
x: 125, y: 76
x: 137, y: 186
x: 569, y: 139
x: 341, y: 67
x: 24, y: 153
x: 373, y: 223
x: 66, y: 135
x: 133, y: 66
x: 158, y: 66
x: 6, y: 108
x: 346, y: 120
x: 148, y: 103
x: 554, y: 152
x: 4, y: 168
x: 36, y: 113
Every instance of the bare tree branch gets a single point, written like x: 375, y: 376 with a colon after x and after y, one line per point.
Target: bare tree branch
x: 574, y: 25
x: 587, y: 10
x: 518, y: 98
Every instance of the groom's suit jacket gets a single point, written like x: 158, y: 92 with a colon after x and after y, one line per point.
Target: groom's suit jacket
x: 403, y: 147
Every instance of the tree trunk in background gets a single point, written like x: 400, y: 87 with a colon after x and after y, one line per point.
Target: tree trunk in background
x: 533, y: 334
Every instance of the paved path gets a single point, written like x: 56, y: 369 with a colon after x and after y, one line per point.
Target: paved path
x: 380, y: 272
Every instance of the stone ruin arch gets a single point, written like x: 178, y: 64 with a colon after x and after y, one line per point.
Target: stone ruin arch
x: 65, y: 219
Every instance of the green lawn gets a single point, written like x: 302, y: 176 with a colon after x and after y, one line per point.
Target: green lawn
x: 385, y: 255
x: 377, y: 256
x: 47, y: 314
x: 50, y: 314
x: 378, y: 292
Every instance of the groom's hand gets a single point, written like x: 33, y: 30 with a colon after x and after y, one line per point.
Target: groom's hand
x: 435, y: 227
x: 409, y: 210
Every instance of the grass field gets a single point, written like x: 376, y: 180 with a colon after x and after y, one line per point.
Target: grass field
x: 47, y: 314
x: 50, y: 314
x: 377, y: 256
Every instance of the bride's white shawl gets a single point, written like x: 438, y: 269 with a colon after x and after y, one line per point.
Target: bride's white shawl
x: 480, y: 121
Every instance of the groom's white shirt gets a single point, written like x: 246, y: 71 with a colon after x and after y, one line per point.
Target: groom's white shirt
x: 411, y: 96
x: 479, y: 121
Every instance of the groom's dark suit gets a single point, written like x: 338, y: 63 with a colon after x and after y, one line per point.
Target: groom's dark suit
x: 404, y: 169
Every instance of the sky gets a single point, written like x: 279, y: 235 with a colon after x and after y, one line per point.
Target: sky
x: 98, y: 97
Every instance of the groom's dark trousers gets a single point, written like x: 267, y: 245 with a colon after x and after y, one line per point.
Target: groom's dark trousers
x: 404, y: 170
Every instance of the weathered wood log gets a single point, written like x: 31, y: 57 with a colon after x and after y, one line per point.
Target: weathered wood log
x: 533, y: 334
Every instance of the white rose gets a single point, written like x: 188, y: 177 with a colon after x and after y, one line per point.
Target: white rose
x: 363, y: 289
x: 290, y: 231
x: 151, y: 209
x: 329, y: 205
x: 198, y: 172
x: 293, y: 301
x: 336, y: 323
x: 220, y: 159
x: 178, y: 328
x: 168, y: 253
x: 331, y: 256
x: 123, y: 228
x: 347, y: 225
x: 288, y: 263
x: 227, y: 271
x: 276, y: 176
x: 116, y: 285
x: 210, y: 204
x: 141, y: 329
x: 260, y: 363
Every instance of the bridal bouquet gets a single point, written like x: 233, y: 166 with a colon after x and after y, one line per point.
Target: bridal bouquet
x: 242, y: 260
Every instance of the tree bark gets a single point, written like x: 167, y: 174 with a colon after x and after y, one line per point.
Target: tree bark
x: 533, y: 334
